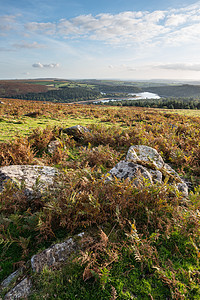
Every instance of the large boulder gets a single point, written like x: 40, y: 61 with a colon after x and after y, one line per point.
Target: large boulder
x: 143, y: 162
x: 30, y: 176
x: 54, y: 255
x: 125, y: 169
x: 144, y: 153
x: 77, y: 132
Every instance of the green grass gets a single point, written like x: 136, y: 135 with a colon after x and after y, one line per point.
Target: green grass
x: 126, y: 280
x: 184, y: 112
x: 22, y: 126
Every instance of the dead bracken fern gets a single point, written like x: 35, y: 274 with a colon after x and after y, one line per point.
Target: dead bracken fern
x: 98, y: 256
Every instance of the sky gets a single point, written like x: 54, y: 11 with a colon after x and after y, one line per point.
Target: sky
x: 100, y: 39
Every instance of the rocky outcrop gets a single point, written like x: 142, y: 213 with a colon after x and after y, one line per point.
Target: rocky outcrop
x: 144, y: 153
x: 30, y: 176
x: 10, y: 279
x: 145, y: 163
x: 20, y: 291
x: 77, y: 132
x: 126, y: 169
x: 53, y: 256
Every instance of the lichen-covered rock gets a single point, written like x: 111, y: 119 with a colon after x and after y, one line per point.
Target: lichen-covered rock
x: 143, y: 162
x: 28, y: 175
x: 6, y: 282
x: 20, y: 291
x: 144, y: 153
x: 53, y: 146
x: 77, y: 132
x: 54, y: 255
x: 125, y: 169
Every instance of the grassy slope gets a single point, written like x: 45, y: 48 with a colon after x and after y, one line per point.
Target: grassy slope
x: 13, y: 121
x: 143, y: 243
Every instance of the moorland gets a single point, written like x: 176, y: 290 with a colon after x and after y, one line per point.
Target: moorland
x: 142, y: 243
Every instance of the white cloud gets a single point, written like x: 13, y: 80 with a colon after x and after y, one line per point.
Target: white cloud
x: 39, y: 65
x: 176, y: 19
x: 181, y: 67
x: 186, y: 35
x: 123, y: 27
x: 7, y: 23
x: 47, y: 28
x: 122, y: 68
x: 128, y: 27
x: 25, y: 45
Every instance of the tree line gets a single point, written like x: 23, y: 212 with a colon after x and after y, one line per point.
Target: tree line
x: 171, y: 103
x: 64, y: 94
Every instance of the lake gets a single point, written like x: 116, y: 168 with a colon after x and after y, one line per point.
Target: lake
x: 144, y: 95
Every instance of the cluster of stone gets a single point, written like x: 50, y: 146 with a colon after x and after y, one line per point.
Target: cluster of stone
x: 53, y: 256
x: 145, y: 163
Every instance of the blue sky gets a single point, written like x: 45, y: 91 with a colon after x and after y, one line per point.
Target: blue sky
x: 121, y: 39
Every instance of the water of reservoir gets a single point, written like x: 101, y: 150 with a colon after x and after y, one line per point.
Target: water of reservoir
x: 144, y: 95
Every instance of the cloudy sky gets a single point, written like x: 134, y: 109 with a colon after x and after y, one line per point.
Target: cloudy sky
x: 113, y: 39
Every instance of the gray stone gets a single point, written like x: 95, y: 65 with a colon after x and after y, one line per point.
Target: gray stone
x: 77, y: 132
x: 20, y: 291
x: 126, y: 169
x: 54, y: 255
x: 6, y: 282
x: 143, y: 162
x: 53, y: 146
x: 28, y: 175
x: 144, y: 153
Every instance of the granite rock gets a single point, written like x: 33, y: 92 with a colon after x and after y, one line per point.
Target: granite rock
x: 77, y: 132
x: 20, y: 291
x: 29, y: 175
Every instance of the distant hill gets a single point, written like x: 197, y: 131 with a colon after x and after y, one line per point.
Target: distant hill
x: 185, y: 90
x: 60, y: 90
x: 10, y: 88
